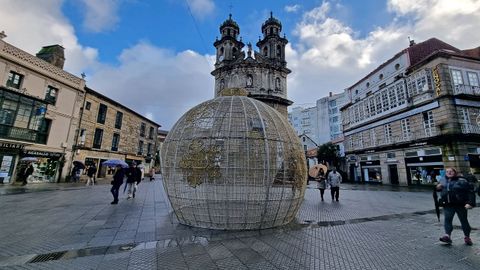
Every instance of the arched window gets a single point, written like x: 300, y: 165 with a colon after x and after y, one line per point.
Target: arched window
x: 265, y: 51
x: 277, y: 83
x: 249, y: 80
x: 279, y: 51
x: 222, y: 84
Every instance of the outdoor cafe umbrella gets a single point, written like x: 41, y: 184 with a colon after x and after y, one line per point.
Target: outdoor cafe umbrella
x: 435, y: 201
x: 315, y: 169
x: 115, y: 162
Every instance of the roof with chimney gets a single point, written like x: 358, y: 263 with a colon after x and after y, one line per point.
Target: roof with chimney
x: 420, y: 51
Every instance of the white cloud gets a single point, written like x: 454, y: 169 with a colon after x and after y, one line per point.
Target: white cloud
x: 201, y: 8
x: 155, y: 82
x: 29, y: 25
x: 100, y: 15
x: 292, y: 8
x: 329, y: 55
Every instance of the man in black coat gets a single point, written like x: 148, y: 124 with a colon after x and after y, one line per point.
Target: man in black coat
x: 116, y: 183
x: 134, y: 176
x: 28, y: 171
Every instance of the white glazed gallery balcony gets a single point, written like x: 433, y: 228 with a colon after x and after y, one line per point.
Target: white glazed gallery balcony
x: 466, y: 89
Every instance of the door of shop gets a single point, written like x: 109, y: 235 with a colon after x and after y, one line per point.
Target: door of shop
x: 393, y: 173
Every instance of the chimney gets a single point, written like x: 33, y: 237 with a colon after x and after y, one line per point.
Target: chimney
x: 411, y: 42
x: 53, y: 54
x: 330, y: 94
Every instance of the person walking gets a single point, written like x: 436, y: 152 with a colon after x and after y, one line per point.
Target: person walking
x: 116, y: 183
x: 457, y: 196
x: 134, y: 176
x: 322, y: 183
x: 152, y: 174
x: 76, y: 171
x: 27, y: 172
x: 91, y: 174
x: 334, y: 179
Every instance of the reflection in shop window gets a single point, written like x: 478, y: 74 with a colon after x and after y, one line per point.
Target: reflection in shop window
x: 372, y: 174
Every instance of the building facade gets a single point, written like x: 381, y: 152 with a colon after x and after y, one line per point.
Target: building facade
x: 109, y: 130
x: 415, y: 115
x: 39, y: 113
x: 263, y: 74
x: 322, y: 123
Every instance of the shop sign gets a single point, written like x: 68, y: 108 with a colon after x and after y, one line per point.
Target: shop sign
x: 12, y: 146
x: 451, y: 158
x: 418, y: 144
x: 391, y: 160
x: 436, y: 80
x: 36, y: 153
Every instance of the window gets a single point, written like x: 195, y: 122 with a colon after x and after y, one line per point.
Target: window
x: 371, y: 102
x: 51, y: 95
x: 387, y: 129
x: 380, y: 76
x: 419, y: 82
x: 405, y: 129
x: 24, y: 113
x: 249, y: 80
x: 392, y: 97
x: 102, y: 114
x: 332, y: 103
x: 397, y: 66
x: 150, y: 133
x: 149, y: 149
x: 97, y: 138
x: 88, y: 105
x: 391, y: 155
x: 457, y: 77
x: 118, y: 120
x: 82, y: 136
x: 428, y: 123
x: 401, y: 97
x: 115, y: 141
x: 378, y: 103
x: 385, y: 103
x: 373, y: 137
x: 142, y: 129
x: 14, y: 80
x: 473, y: 79
x: 140, y: 147
x: 277, y: 84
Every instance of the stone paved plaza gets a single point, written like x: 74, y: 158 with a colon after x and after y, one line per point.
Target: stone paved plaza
x: 70, y: 226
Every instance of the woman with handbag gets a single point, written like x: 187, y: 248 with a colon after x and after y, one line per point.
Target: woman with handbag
x: 457, y: 196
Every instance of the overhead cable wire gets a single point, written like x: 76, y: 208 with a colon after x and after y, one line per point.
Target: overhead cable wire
x: 199, y: 33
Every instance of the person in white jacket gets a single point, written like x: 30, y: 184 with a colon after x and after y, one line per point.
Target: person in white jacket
x: 334, y: 179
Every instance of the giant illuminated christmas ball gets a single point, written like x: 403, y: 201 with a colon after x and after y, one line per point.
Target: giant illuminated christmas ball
x: 234, y: 163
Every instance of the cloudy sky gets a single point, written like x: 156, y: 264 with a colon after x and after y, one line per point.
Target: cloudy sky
x: 155, y: 56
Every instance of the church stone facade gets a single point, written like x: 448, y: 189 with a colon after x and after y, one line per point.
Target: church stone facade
x: 262, y: 73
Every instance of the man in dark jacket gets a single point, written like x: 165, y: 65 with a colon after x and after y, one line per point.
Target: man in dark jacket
x: 91, y: 174
x: 134, y: 176
x: 457, y: 196
x: 116, y: 183
x: 28, y: 171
